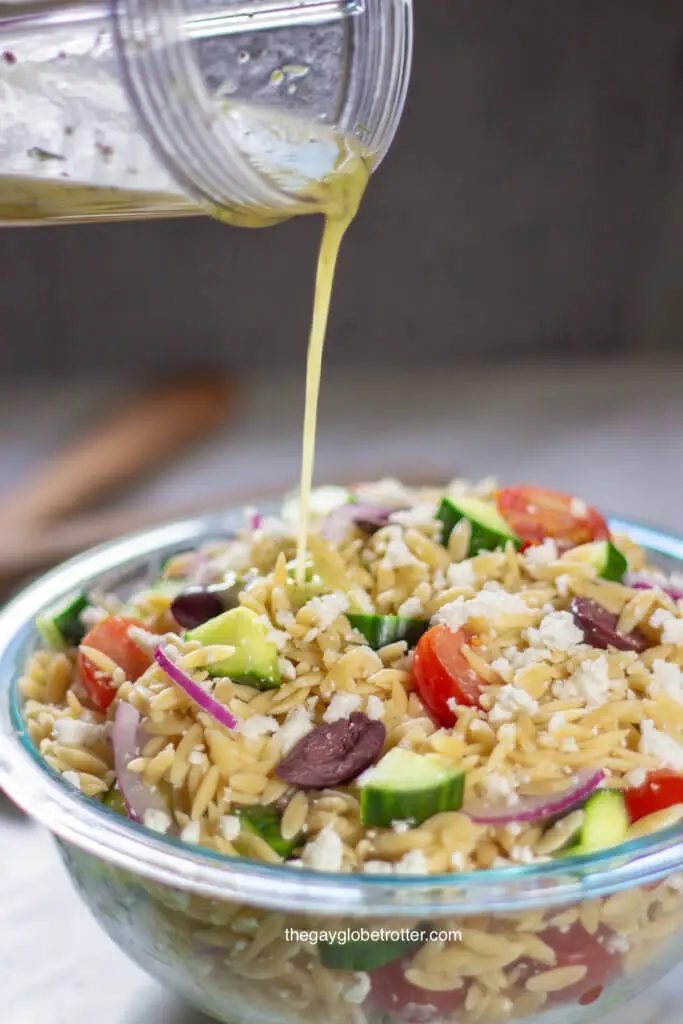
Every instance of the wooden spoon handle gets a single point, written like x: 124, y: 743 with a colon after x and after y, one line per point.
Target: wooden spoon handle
x: 150, y: 428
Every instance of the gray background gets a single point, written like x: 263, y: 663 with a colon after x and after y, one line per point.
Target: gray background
x: 530, y: 205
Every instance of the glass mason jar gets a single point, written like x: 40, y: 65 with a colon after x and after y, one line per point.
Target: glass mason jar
x: 148, y: 108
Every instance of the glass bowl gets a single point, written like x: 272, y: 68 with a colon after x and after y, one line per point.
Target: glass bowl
x: 248, y: 942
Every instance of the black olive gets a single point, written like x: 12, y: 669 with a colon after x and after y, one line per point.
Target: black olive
x: 332, y: 755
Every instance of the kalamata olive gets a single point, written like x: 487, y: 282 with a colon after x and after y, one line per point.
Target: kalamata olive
x: 332, y: 755
x: 196, y: 605
x: 368, y: 518
x: 600, y: 627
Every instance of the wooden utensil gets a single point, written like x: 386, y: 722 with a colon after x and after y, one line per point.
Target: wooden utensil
x: 137, y: 437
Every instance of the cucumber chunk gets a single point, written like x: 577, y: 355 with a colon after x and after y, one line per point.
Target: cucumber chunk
x: 405, y: 786
x: 113, y: 799
x: 605, y: 556
x: 605, y: 824
x: 62, y: 625
x: 265, y: 822
x: 380, y: 630
x: 255, y: 659
x: 489, y: 529
x: 364, y: 955
x: 313, y: 585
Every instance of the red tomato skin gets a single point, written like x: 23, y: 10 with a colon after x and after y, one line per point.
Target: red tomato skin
x: 442, y: 672
x: 537, y: 513
x: 660, y: 790
x: 391, y: 992
x: 577, y: 947
x: 110, y: 636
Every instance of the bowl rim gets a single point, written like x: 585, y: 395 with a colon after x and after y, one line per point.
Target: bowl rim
x: 84, y: 823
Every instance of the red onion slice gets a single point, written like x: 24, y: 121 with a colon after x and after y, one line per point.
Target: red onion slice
x: 536, y: 808
x: 649, y: 581
x: 370, y: 519
x: 127, y: 742
x: 194, y: 691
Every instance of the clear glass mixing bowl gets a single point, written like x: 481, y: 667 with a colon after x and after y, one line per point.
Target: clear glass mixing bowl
x: 221, y: 931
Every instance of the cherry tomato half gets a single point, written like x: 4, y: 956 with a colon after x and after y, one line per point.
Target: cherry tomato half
x: 442, y: 672
x: 392, y: 993
x: 536, y: 513
x: 660, y: 790
x: 576, y: 948
x: 110, y: 636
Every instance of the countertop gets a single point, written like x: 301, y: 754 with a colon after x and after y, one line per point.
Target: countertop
x: 613, y: 434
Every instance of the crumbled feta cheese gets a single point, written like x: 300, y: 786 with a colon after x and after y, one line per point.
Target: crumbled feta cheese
x: 72, y: 732
x: 196, y: 756
x: 461, y: 574
x: 325, y: 852
x: 557, y: 722
x: 507, y: 733
x: 357, y: 992
x: 591, y: 684
x: 402, y: 826
x: 512, y: 700
x: 275, y: 636
x: 488, y: 604
x: 617, y: 943
x: 497, y: 787
x: 661, y: 746
x: 578, y: 508
x: 667, y: 678
x: 297, y: 725
x: 413, y: 518
x: 285, y: 618
x: 458, y: 860
x: 522, y: 855
x: 562, y: 584
x: 258, y: 725
x: 411, y: 608
x: 191, y: 833
x: 413, y: 863
x: 157, y: 820
x: 73, y: 778
x: 503, y: 667
x: 374, y: 707
x: 396, y: 553
x: 143, y: 638
x: 388, y: 492
x: 671, y: 626
x: 541, y: 554
x: 286, y: 669
x: 556, y: 632
x: 568, y: 745
x: 341, y: 706
x: 378, y: 867
x: 324, y: 611
x: 636, y: 778
x: 229, y: 827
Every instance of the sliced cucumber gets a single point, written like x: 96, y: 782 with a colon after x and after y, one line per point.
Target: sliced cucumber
x: 312, y: 586
x: 265, y: 822
x: 364, y: 955
x: 405, y: 786
x: 113, y: 799
x: 255, y: 659
x: 62, y: 625
x: 323, y: 501
x: 380, y: 630
x: 605, y: 824
x: 605, y: 556
x: 489, y: 529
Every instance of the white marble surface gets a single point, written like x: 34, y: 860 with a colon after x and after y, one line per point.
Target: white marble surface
x: 612, y: 434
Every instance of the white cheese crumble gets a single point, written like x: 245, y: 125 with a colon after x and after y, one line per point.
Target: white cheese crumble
x: 590, y: 684
x: 72, y: 732
x: 374, y: 707
x: 461, y: 574
x: 568, y: 745
x: 512, y: 700
x: 384, y: 492
x: 578, y: 508
x: 73, y: 778
x: 503, y: 667
x: 413, y: 518
x: 541, y: 554
x: 378, y: 867
x: 412, y: 863
x: 522, y: 855
x: 358, y: 991
x: 458, y: 860
x: 191, y: 833
x: 671, y: 626
x: 325, y: 852
x: 157, y: 820
x: 324, y: 611
x: 297, y: 725
x: 411, y: 608
x: 556, y: 632
x: 498, y: 787
x: 667, y: 678
x: 659, y: 745
x: 396, y: 553
x: 229, y: 827
x: 562, y: 584
x: 636, y: 778
x: 488, y: 604
x: 341, y: 706
x: 258, y: 725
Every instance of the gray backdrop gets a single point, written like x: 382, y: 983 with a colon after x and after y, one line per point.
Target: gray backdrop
x: 530, y: 205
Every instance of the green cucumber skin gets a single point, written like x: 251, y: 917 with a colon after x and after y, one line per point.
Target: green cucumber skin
x: 65, y: 622
x: 380, y: 630
x: 616, y: 565
x: 265, y: 822
x: 482, y: 539
x: 379, y: 807
x: 363, y: 956
x: 255, y: 681
x: 113, y: 799
x: 582, y: 842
